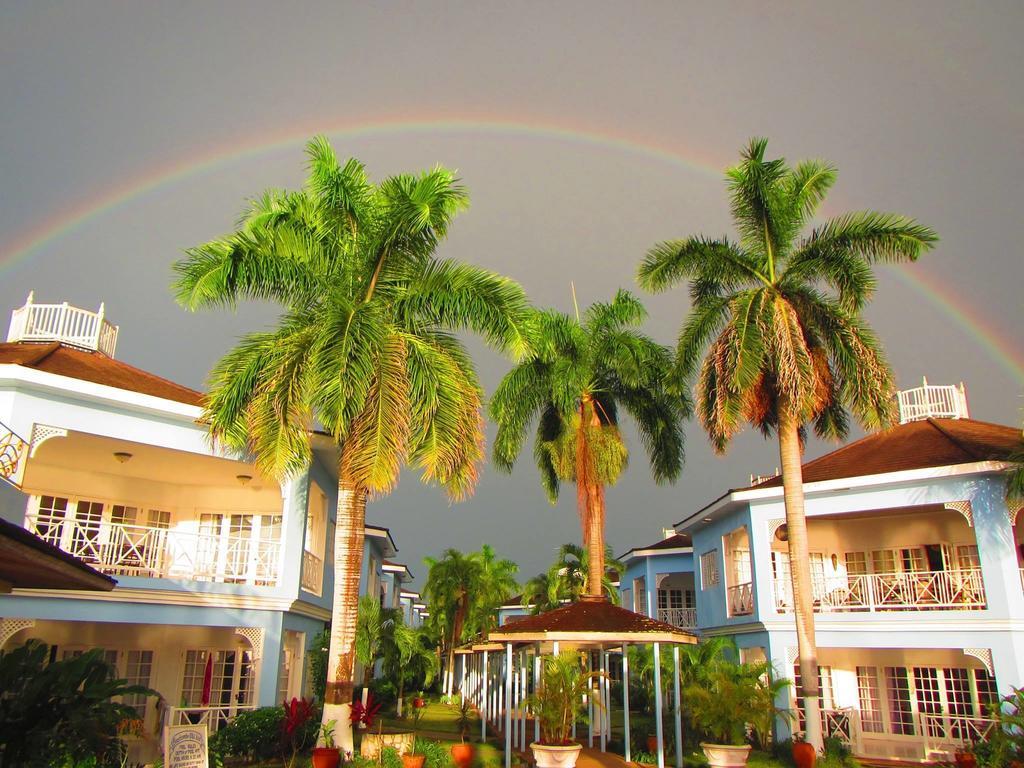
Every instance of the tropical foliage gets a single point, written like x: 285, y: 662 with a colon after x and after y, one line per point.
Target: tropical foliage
x: 63, y: 709
x: 581, y: 372
x: 372, y: 621
x: 727, y: 698
x: 776, y: 336
x: 365, y: 347
x: 559, y: 700
x: 568, y: 579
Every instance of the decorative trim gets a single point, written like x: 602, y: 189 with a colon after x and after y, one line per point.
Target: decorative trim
x: 964, y: 508
x: 792, y: 654
x: 773, y: 526
x: 41, y: 433
x: 254, y: 636
x: 1012, y: 514
x: 984, y: 655
x: 10, y: 627
x: 12, y: 455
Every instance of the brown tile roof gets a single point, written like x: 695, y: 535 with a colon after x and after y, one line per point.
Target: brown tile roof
x: 81, y: 364
x: 915, y: 445
x: 28, y: 562
x: 672, y: 542
x: 594, y: 617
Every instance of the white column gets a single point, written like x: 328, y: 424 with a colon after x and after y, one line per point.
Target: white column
x: 522, y: 700
x: 601, y: 666
x: 483, y: 699
x: 508, y: 705
x: 679, y: 713
x: 657, y: 705
x: 625, y: 699
x: 536, y: 688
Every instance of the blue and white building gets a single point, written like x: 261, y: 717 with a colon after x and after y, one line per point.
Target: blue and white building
x: 916, y: 563
x: 223, y: 574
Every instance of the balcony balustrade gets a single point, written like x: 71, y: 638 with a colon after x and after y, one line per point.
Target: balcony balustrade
x: 312, y: 572
x: 63, y: 323
x: 214, y: 718
x: 741, y: 599
x: 908, y: 591
x: 135, y: 550
x: 684, y: 618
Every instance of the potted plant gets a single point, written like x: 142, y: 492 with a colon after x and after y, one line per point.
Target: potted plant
x: 462, y: 753
x: 804, y: 755
x: 964, y: 758
x: 652, y: 743
x: 411, y: 759
x: 556, y: 705
x: 328, y: 755
x: 722, y: 702
x: 418, y: 701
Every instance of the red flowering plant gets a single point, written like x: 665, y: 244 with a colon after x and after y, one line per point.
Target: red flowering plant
x: 364, y: 714
x: 298, y: 713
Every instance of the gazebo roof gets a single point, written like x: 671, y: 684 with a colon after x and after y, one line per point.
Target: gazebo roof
x: 591, y: 621
x: 28, y: 562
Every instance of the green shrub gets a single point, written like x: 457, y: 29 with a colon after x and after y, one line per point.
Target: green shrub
x: 318, y: 664
x: 438, y: 755
x: 255, y: 735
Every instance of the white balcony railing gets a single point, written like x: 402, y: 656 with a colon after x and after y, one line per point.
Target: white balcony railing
x: 741, y: 599
x: 135, y: 550
x: 930, y: 401
x: 910, y: 590
x: 215, y: 718
x: 64, y: 323
x: 312, y: 572
x: 944, y: 733
x: 684, y: 618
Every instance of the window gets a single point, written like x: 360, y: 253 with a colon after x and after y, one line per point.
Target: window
x: 870, y: 700
x: 709, y: 576
x: 926, y: 683
x: 901, y: 712
x: 157, y: 518
x: 50, y: 519
x: 967, y: 556
x: 123, y: 515
x: 230, y: 679
x: 988, y: 694
x: 824, y: 689
x: 138, y: 671
x: 639, y: 596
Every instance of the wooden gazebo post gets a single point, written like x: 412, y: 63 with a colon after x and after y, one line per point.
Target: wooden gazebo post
x: 679, y: 712
x: 625, y: 700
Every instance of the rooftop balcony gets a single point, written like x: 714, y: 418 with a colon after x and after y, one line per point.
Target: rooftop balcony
x: 63, y: 323
x: 933, y: 402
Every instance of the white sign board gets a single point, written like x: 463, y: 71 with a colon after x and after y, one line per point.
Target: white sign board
x: 185, y: 746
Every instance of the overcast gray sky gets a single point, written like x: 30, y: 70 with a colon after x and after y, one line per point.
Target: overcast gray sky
x: 585, y: 132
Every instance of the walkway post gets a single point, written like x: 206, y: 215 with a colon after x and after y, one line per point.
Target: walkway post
x: 483, y: 700
x: 536, y: 688
x: 522, y: 698
x: 601, y: 666
x: 508, y: 705
x: 625, y: 698
x: 679, y: 712
x: 657, y: 705
x: 589, y: 698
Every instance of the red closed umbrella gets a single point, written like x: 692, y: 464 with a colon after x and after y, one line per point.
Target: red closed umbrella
x: 207, y: 681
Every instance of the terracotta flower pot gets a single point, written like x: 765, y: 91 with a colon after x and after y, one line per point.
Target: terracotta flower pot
x: 419, y: 703
x: 462, y: 754
x: 326, y: 757
x: 652, y: 743
x: 804, y: 755
x: 965, y: 760
x: 413, y: 761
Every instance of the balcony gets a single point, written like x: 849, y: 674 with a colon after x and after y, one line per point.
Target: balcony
x: 135, y: 550
x: 684, y: 618
x: 932, y: 402
x: 312, y: 572
x: 905, y: 591
x: 741, y: 599
x: 64, y: 323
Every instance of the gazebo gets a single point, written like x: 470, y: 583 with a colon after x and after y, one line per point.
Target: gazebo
x: 496, y: 675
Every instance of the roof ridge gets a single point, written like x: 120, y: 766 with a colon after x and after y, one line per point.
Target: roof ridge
x: 45, y: 350
x: 954, y: 440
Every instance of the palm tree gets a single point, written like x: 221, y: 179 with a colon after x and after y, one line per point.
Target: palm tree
x: 544, y: 592
x: 408, y: 657
x: 580, y: 373
x: 777, y: 319
x: 364, y: 348
x: 573, y: 568
x: 373, y: 622
x: 497, y: 583
x: 451, y: 583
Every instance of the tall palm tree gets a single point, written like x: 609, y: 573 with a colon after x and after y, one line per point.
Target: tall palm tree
x: 573, y: 570
x: 777, y: 335
x: 364, y: 348
x: 544, y: 592
x: 497, y: 583
x: 581, y: 371
x: 373, y: 623
x: 451, y: 584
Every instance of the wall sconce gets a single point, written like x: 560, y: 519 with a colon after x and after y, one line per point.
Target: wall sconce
x: 122, y: 456
x: 243, y: 479
x: 835, y: 562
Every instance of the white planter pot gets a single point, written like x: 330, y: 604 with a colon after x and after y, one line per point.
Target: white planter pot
x: 725, y: 756
x: 547, y: 756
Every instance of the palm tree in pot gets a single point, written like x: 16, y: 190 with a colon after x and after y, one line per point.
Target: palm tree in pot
x: 557, y: 705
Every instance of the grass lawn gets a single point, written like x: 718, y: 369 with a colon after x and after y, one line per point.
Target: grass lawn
x: 437, y: 718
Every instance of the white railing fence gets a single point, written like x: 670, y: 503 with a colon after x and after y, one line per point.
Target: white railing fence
x: 215, y: 718
x: 684, y: 618
x: 910, y: 590
x: 135, y: 550
x: 741, y: 599
x: 312, y: 572
x: 842, y: 724
x: 928, y: 401
x: 64, y: 323
x: 944, y: 733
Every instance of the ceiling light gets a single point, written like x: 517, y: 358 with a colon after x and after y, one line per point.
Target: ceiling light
x: 243, y: 479
x: 122, y: 456
x: 707, y: 519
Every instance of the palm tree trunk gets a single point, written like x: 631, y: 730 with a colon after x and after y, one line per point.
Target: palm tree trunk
x: 595, y: 540
x: 348, y: 562
x: 800, y: 572
x: 457, y: 624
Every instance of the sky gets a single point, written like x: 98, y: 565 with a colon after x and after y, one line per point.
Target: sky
x: 585, y: 132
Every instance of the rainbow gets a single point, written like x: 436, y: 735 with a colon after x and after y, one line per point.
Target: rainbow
x: 62, y: 223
